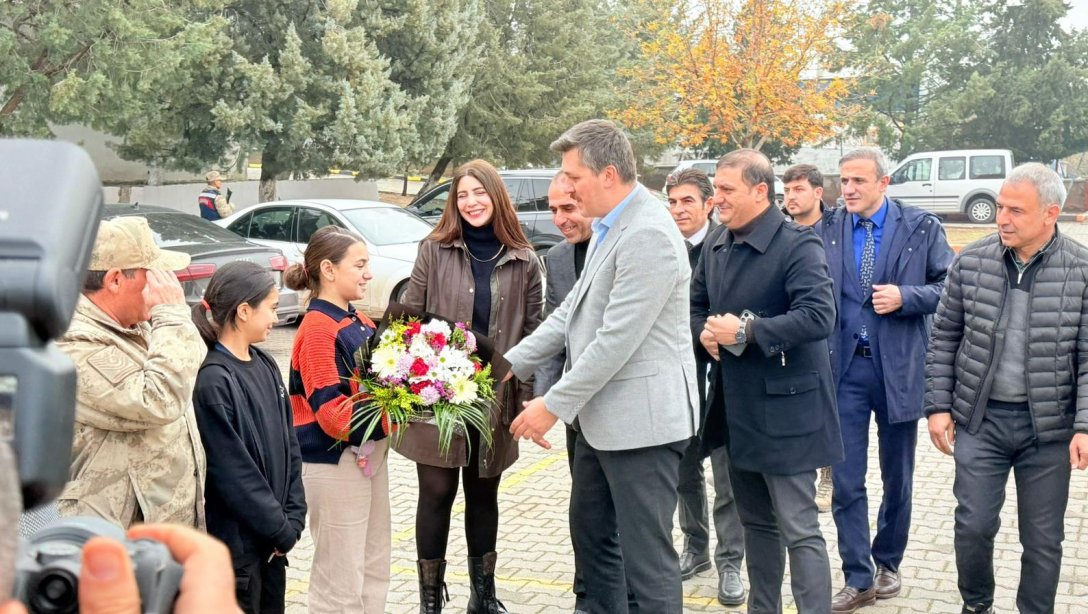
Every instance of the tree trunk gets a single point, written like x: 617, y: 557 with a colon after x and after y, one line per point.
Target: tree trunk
x: 439, y: 170
x: 266, y: 190
x: 154, y: 174
x: 404, y: 186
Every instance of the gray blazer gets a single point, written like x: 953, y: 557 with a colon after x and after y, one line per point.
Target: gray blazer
x: 561, y: 277
x: 630, y: 370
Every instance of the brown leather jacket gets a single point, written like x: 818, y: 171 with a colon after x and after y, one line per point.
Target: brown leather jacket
x: 442, y: 284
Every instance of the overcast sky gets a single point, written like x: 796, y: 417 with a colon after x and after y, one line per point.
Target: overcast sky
x: 1078, y: 14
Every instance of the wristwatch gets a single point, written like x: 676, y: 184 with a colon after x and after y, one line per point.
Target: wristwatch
x: 742, y: 330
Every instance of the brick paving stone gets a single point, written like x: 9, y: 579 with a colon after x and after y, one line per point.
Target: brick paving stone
x: 536, y: 563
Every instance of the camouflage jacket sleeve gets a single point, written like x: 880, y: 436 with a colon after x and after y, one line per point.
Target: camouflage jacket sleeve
x: 224, y: 207
x: 120, y: 393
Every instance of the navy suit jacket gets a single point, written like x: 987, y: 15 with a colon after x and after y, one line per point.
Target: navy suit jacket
x: 914, y: 255
x: 774, y: 405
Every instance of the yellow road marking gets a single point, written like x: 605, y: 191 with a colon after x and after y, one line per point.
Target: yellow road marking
x: 299, y: 586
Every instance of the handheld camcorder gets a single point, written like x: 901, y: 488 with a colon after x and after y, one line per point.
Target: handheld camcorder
x: 49, y: 214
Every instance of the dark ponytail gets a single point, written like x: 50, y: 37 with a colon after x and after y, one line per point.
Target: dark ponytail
x: 328, y: 243
x: 231, y: 286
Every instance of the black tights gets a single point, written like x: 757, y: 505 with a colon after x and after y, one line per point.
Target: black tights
x: 437, y: 490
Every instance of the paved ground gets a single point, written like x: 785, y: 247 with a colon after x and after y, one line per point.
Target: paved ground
x: 535, y: 564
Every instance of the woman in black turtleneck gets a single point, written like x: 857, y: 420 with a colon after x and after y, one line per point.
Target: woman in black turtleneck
x: 476, y: 267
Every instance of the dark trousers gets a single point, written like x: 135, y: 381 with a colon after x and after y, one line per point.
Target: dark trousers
x: 1006, y: 440
x: 260, y: 586
x: 779, y: 515
x: 579, y: 583
x: 861, y: 395
x: 631, y: 493
x: 729, y: 551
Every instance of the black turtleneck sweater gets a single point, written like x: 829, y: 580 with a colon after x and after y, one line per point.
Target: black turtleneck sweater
x: 483, y: 247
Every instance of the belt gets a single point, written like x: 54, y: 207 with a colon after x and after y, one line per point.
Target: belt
x: 865, y: 351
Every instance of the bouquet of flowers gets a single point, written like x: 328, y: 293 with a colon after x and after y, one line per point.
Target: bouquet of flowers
x: 426, y: 372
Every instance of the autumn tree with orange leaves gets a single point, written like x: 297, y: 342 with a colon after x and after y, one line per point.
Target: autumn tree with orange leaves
x: 747, y: 72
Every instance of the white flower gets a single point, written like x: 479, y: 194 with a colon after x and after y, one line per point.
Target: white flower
x: 451, y: 361
x: 420, y: 348
x: 464, y: 391
x: 387, y: 337
x: 437, y: 327
x: 385, y: 360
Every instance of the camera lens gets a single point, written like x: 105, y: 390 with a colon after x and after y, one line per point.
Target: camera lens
x: 56, y: 594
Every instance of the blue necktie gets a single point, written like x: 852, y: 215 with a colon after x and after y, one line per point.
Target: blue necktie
x: 868, y: 260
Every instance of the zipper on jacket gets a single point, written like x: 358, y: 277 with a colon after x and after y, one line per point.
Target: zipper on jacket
x: 987, y: 379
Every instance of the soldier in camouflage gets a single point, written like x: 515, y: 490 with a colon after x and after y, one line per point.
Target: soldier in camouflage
x: 136, y: 454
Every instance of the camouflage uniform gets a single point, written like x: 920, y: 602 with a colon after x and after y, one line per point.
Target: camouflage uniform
x: 136, y: 453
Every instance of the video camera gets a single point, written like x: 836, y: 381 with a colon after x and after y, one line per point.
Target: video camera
x: 49, y: 214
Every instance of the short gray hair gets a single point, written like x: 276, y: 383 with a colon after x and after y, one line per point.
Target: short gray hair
x: 867, y: 153
x: 601, y: 144
x: 1048, y: 185
x: 755, y: 168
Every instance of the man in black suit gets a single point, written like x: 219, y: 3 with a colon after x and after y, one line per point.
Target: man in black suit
x: 689, y: 195
x: 565, y: 261
x: 762, y: 304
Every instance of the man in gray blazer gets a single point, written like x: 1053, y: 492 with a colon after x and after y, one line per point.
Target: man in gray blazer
x: 629, y: 385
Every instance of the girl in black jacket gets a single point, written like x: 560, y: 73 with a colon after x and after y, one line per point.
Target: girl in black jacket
x: 254, y: 498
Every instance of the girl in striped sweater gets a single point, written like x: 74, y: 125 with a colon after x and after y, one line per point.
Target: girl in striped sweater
x: 345, y: 478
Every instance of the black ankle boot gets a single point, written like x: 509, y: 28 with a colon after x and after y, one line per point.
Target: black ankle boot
x: 432, y: 587
x: 481, y: 575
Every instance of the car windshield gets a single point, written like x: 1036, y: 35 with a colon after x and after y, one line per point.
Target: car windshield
x: 181, y: 229
x: 388, y: 225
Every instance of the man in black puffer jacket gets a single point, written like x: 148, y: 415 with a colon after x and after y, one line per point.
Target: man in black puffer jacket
x: 1007, y: 383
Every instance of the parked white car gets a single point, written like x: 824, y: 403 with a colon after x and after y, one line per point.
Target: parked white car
x: 392, y: 237
x: 955, y: 181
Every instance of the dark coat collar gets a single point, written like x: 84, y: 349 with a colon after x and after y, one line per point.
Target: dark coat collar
x: 763, y: 230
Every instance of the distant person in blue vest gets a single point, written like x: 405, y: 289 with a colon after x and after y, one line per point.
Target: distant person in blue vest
x: 888, y: 263
x: 214, y: 205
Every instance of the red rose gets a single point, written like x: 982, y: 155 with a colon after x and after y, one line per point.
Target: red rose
x: 420, y: 368
x: 478, y: 367
x: 418, y: 387
x: 414, y: 327
x: 439, y: 341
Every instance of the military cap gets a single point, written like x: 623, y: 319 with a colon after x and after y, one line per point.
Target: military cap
x: 127, y: 243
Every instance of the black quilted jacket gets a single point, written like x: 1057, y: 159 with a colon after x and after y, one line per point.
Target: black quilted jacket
x: 960, y: 360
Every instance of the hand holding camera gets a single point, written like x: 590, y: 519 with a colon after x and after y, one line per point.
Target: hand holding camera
x: 111, y: 573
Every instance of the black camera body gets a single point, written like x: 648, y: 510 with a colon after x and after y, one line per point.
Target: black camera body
x: 49, y: 217
x: 47, y: 572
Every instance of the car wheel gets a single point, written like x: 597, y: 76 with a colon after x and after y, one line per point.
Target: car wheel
x: 398, y: 292
x: 981, y: 210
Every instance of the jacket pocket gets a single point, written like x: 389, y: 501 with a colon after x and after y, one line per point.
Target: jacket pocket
x: 642, y: 368
x: 792, y: 405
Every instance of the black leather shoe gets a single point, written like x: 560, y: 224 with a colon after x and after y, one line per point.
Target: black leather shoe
x: 887, y: 583
x: 977, y: 609
x: 731, y: 589
x: 850, y: 599
x: 692, y: 563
